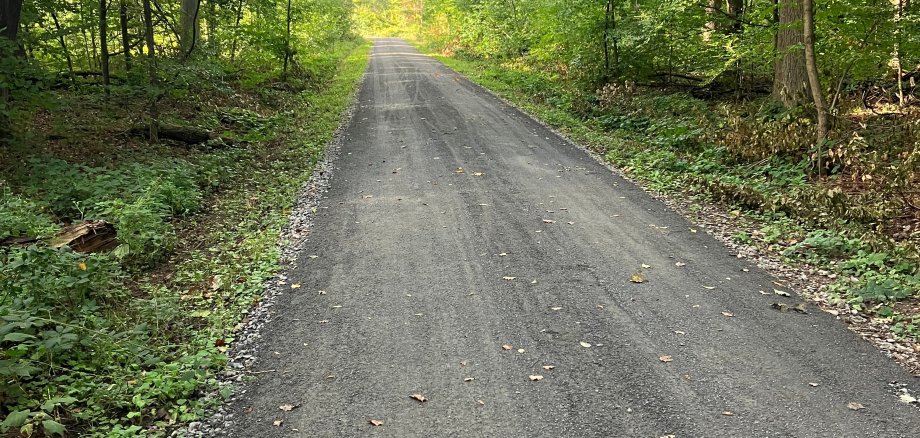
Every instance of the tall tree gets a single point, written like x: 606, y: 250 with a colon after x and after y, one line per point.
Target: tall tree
x: 152, y: 72
x: 10, y: 12
x: 189, y: 27
x: 125, y: 36
x: 814, y: 82
x: 103, y: 42
x: 790, y: 81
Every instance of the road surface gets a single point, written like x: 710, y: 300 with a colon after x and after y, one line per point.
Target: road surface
x: 455, y: 225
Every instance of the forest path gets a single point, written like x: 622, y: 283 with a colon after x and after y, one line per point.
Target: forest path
x: 427, y: 270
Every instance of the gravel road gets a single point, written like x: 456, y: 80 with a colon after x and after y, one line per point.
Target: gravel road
x: 463, y: 248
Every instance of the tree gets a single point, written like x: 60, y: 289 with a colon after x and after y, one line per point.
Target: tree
x: 189, y: 27
x: 152, y: 70
x: 103, y: 42
x: 811, y: 67
x: 10, y: 12
x: 790, y: 81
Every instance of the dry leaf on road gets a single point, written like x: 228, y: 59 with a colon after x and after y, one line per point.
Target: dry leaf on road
x: 287, y: 408
x: 548, y: 221
x: 507, y: 347
x: 585, y: 344
x: 855, y: 406
x: 418, y: 397
x: 637, y: 278
x: 508, y: 278
x: 277, y: 423
x: 728, y: 413
x: 728, y: 314
x: 468, y: 379
x: 375, y: 422
x: 548, y: 367
x: 665, y: 358
x: 535, y: 377
x: 907, y: 398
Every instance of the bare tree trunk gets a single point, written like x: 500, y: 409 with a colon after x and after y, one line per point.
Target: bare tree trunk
x: 10, y: 12
x: 735, y: 11
x: 713, y: 10
x: 152, y: 70
x: 287, y: 42
x: 790, y: 81
x: 236, y: 31
x: 607, y: 7
x: 814, y: 82
x: 900, y: 8
x: 189, y: 26
x: 125, y: 37
x: 57, y: 27
x: 103, y: 42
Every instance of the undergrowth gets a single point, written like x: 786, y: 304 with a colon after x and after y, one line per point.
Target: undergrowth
x: 124, y: 343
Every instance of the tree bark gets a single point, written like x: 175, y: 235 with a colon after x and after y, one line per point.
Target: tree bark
x: 236, y: 31
x: 287, y: 42
x: 814, y: 82
x: 152, y: 71
x: 790, y: 81
x: 125, y: 37
x: 10, y: 12
x: 189, y: 26
x: 103, y: 42
x: 712, y: 25
x: 63, y: 43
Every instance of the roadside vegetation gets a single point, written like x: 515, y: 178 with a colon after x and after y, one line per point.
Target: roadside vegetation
x: 801, y: 117
x: 149, y: 157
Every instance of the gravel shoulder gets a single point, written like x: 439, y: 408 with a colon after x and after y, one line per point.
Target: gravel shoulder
x: 455, y: 225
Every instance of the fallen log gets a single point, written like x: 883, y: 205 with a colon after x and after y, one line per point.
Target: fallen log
x: 87, y: 237
x: 184, y: 134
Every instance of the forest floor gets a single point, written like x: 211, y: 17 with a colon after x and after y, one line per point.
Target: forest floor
x: 470, y: 271
x: 126, y: 342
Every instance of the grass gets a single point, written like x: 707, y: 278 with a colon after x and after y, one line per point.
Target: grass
x: 125, y: 343
x: 760, y: 167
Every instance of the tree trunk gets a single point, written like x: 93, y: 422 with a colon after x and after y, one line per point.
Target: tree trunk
x: 712, y: 11
x: 10, y: 11
x: 735, y: 11
x: 152, y: 70
x: 103, y: 42
x: 63, y: 43
x: 790, y: 81
x: 189, y: 26
x: 814, y: 82
x: 287, y: 42
x: 607, y: 6
x: 236, y: 31
x: 125, y: 37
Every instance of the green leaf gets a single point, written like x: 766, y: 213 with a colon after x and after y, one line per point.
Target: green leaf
x: 15, y: 419
x: 17, y: 337
x: 52, y: 427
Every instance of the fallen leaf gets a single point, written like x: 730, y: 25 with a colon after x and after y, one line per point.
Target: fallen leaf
x: 295, y: 285
x: 781, y: 293
x: 521, y: 350
x: 481, y: 402
x: 679, y: 332
x: 728, y: 413
x: 508, y: 278
x: 763, y: 292
x: 313, y: 256
x: 82, y: 266
x: 459, y: 170
x: 502, y: 254
x: 680, y: 264
x: 548, y: 221
x: 535, y: 378
x: 571, y: 223
x: 644, y: 266
x: 855, y: 406
x: 548, y: 367
x: 533, y: 282
x: 907, y: 398
x: 585, y: 344
x: 367, y: 196
x: 637, y: 278
x: 728, y: 314
x: 555, y: 308
x: 665, y: 359
x: 375, y: 422
x: 418, y: 397
x: 468, y: 379
x: 812, y: 384
x: 277, y: 423
x: 287, y: 408
x: 506, y: 347
x: 477, y: 174
x: 709, y: 287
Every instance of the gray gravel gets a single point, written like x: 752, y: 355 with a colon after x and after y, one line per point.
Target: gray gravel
x: 415, y: 273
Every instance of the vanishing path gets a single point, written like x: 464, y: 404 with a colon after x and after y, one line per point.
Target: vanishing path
x: 411, y: 253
